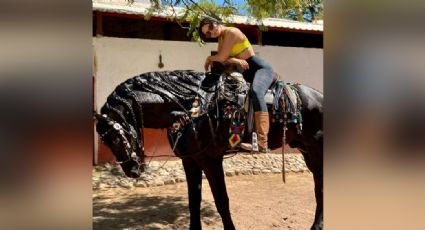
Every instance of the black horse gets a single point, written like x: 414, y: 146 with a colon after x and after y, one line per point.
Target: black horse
x: 164, y: 99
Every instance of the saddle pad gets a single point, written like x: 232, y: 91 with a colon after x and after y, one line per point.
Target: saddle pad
x: 292, y: 97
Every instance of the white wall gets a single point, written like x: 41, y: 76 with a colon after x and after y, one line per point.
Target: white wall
x: 121, y: 58
x: 303, y: 65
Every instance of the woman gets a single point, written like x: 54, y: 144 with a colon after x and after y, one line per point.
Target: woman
x: 234, y: 47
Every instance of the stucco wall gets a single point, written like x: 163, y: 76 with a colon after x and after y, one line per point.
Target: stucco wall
x: 121, y: 58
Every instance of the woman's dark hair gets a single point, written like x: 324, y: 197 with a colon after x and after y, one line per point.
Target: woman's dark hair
x: 207, y: 20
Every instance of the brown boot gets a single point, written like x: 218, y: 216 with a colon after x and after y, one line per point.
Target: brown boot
x: 262, y: 129
x: 262, y: 126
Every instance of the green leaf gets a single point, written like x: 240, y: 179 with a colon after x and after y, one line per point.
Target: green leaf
x: 193, y: 10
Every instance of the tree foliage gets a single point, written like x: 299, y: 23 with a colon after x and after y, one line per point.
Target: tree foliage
x: 188, y: 13
x: 301, y: 10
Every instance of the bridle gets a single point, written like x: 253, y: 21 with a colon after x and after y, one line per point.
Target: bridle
x: 117, y: 127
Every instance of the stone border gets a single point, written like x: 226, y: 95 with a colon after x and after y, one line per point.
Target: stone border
x: 160, y: 173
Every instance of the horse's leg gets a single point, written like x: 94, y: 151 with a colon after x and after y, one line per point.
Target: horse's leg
x: 318, y: 190
x: 213, y: 169
x: 194, y: 185
x: 315, y: 165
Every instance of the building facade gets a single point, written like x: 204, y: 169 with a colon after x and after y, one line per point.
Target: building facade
x: 126, y: 45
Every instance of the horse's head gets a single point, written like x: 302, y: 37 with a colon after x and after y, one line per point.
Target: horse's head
x: 124, y: 144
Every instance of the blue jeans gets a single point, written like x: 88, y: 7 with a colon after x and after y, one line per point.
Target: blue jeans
x: 260, y: 75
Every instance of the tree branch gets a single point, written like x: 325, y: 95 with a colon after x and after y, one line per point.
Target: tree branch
x: 203, y: 10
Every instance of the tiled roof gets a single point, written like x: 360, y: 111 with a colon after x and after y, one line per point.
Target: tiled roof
x: 140, y: 8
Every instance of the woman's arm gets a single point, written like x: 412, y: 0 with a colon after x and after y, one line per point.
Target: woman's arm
x: 243, y: 63
x: 225, y: 46
x: 238, y: 61
x: 224, y: 49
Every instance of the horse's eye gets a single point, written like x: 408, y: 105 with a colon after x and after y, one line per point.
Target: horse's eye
x: 116, y: 140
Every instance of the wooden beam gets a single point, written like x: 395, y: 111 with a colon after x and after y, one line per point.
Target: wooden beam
x: 99, y: 24
x: 259, y: 37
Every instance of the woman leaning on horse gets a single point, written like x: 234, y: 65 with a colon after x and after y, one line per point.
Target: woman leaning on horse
x: 234, y: 47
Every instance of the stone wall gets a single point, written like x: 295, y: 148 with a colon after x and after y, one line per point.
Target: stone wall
x: 170, y: 172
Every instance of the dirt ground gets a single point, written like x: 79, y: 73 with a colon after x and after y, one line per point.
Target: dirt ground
x: 256, y: 202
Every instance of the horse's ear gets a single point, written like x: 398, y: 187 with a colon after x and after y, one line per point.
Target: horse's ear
x: 98, y: 117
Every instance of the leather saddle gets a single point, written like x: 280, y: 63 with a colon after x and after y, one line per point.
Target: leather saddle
x: 272, y: 97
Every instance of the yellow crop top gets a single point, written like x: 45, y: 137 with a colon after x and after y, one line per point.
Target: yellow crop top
x: 239, y: 47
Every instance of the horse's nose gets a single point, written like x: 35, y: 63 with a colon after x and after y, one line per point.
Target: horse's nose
x: 135, y: 173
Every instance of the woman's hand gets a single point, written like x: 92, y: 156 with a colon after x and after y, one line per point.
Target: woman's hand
x: 207, y: 63
x: 240, y: 62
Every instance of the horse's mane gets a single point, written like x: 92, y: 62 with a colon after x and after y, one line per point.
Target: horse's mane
x: 183, y: 85
x: 179, y: 86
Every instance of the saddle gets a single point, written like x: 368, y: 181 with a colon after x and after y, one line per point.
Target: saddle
x: 282, y: 100
x: 275, y: 89
x: 291, y: 101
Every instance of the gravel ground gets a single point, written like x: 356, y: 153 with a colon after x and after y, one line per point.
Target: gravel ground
x: 158, y: 200
x: 160, y: 173
x: 257, y: 202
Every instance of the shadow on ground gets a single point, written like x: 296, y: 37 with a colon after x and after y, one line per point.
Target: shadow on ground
x: 145, y: 212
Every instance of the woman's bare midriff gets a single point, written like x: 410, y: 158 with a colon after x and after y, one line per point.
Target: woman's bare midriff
x: 249, y: 52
